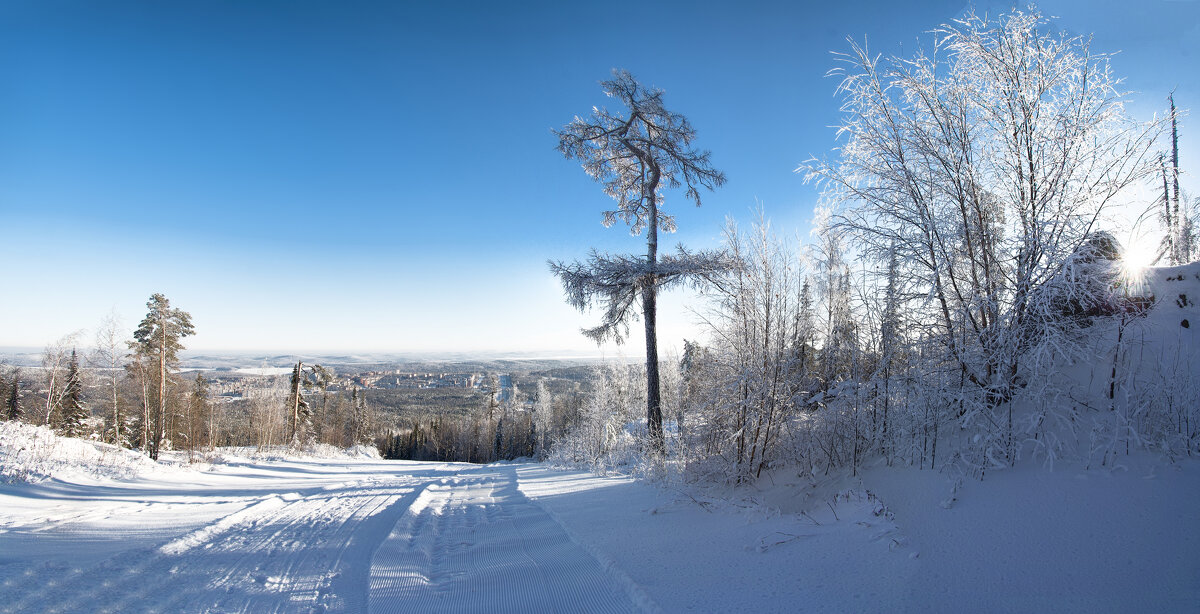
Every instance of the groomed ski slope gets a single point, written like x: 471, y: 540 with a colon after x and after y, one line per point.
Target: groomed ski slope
x: 365, y: 535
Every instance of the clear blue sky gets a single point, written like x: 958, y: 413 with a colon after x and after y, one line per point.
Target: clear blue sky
x: 382, y: 176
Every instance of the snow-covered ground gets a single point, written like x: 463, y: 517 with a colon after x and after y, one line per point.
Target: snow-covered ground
x: 357, y: 534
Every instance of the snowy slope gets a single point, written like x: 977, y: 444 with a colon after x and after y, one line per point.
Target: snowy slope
x: 1163, y: 344
x: 86, y: 527
x: 361, y: 534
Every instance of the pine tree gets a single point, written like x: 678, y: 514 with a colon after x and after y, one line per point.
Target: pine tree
x: 73, y: 412
x: 157, y: 339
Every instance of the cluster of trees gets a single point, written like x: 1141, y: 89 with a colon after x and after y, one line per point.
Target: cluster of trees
x: 514, y: 426
x: 298, y: 410
x: 130, y: 392
x: 961, y: 260
x: 145, y: 404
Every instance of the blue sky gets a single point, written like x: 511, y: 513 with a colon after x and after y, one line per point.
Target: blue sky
x: 382, y: 176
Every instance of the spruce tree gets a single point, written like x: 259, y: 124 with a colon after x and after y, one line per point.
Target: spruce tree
x: 12, y: 404
x: 73, y: 412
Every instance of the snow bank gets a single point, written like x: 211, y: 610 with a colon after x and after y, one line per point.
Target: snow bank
x: 31, y: 454
x: 318, y: 451
x: 34, y: 453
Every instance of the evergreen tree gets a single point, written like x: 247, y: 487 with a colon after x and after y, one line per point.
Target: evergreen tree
x: 73, y: 412
x: 12, y: 404
x: 299, y: 414
x: 157, y: 339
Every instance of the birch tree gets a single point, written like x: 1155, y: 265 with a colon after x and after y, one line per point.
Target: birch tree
x: 108, y: 357
x: 636, y: 154
x: 54, y: 369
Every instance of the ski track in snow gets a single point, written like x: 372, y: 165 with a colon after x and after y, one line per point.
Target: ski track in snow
x: 475, y: 543
x: 279, y: 554
x: 432, y: 538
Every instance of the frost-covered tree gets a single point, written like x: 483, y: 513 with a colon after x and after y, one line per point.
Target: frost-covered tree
x: 982, y: 166
x: 109, y: 358
x: 636, y: 154
x: 756, y: 372
x: 543, y: 414
x: 157, y: 341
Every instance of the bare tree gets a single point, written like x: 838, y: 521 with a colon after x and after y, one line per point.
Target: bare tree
x: 635, y: 155
x: 108, y: 357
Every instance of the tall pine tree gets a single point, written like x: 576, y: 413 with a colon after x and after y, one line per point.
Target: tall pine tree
x: 157, y: 339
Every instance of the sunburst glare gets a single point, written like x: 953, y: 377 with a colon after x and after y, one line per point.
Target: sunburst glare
x: 1140, y: 253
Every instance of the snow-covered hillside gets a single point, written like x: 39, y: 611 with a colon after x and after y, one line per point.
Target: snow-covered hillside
x: 360, y: 534
x: 86, y: 527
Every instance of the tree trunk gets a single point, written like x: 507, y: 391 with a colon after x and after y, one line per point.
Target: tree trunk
x: 653, y: 397
x: 160, y: 423
x: 650, y: 316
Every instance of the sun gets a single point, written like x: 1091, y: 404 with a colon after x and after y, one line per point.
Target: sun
x: 1140, y: 253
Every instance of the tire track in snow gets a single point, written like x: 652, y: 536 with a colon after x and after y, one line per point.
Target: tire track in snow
x: 477, y: 544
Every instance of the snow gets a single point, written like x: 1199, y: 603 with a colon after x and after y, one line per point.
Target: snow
x: 353, y: 533
x: 89, y: 527
x: 264, y: 370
